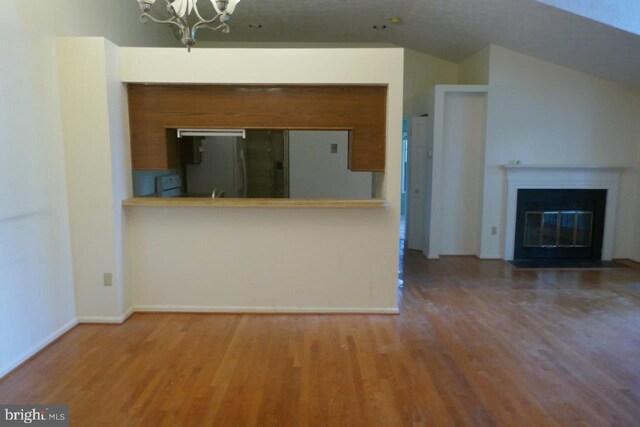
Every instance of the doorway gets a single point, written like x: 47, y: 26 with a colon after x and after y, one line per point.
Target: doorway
x: 404, y: 182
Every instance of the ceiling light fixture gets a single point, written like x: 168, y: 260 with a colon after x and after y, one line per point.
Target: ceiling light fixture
x: 182, y: 19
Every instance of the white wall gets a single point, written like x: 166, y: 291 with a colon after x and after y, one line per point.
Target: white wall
x: 36, y: 280
x: 462, y: 173
x: 35, y: 259
x: 475, y: 69
x: 98, y: 165
x: 421, y: 73
x: 541, y: 113
x: 316, y: 172
x: 261, y: 258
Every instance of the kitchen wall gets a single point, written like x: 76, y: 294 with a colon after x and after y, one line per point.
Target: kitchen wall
x: 144, y: 181
x: 36, y: 278
x: 315, y: 171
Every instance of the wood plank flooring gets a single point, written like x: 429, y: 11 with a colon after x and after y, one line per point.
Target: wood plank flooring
x: 477, y: 343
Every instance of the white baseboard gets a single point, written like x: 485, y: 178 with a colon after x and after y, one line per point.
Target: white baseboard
x: 127, y: 314
x: 106, y: 319
x: 36, y: 348
x: 263, y: 310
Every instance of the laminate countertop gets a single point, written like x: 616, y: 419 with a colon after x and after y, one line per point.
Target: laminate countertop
x: 254, y: 203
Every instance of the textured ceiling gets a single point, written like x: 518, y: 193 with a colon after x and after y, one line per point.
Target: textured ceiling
x: 449, y: 29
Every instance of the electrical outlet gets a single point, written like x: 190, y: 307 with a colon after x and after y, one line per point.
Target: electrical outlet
x: 334, y: 148
x: 494, y: 231
x: 107, y: 279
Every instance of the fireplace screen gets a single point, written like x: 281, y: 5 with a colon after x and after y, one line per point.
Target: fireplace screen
x: 553, y: 229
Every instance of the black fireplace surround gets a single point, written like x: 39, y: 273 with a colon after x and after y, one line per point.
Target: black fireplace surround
x: 560, y: 224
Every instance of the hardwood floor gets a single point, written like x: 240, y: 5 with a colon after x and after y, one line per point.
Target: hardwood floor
x: 477, y: 343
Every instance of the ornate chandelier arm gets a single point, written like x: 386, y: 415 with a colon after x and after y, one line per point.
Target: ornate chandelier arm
x: 224, y: 27
x: 204, y: 23
x: 173, y: 20
x: 145, y: 17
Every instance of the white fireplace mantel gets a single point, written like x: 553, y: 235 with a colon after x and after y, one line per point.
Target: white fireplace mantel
x: 564, y: 177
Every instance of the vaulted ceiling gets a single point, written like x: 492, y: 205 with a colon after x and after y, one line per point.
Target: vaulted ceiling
x: 449, y: 29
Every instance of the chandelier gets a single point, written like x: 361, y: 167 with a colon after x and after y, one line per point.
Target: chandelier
x: 184, y: 23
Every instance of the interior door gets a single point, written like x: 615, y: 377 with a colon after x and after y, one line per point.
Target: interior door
x: 417, y: 191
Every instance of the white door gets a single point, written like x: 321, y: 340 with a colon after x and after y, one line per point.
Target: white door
x: 417, y: 191
x: 462, y: 173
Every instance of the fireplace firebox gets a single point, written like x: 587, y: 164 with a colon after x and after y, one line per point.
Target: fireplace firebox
x: 560, y: 224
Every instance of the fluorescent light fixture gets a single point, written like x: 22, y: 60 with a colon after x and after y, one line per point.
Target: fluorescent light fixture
x: 238, y: 133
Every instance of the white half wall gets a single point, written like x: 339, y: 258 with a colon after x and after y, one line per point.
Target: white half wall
x: 247, y: 260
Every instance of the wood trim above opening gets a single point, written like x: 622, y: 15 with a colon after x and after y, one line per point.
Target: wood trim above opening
x: 155, y: 108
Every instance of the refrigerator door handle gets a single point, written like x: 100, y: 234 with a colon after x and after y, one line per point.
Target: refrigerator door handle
x: 243, y: 165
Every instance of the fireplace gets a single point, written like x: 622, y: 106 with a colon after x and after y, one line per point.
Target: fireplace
x: 566, y: 228
x: 560, y: 224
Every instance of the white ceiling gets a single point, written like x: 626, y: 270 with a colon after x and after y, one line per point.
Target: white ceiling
x: 449, y: 29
